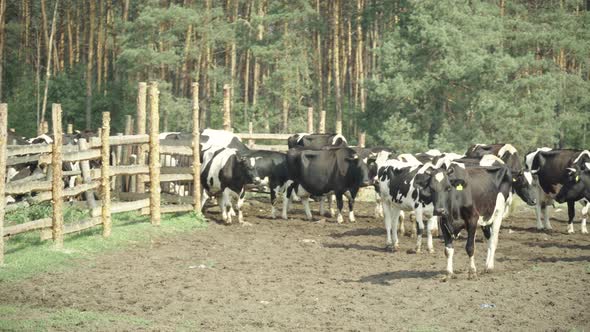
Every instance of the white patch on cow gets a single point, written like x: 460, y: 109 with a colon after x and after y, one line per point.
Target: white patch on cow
x: 529, y: 177
x: 10, y: 200
x: 570, y: 228
x: 351, y: 217
x: 462, y: 165
x: 433, y: 152
x: 507, y: 148
x: 218, y: 138
x: 584, y: 216
x: 165, y: 134
x: 335, y: 138
x: 489, y: 160
x: 587, y: 165
x: 300, y: 136
x: 217, y: 164
x: 439, y: 176
x: 499, y: 210
x: 449, y: 253
x: 531, y: 156
x: 425, y: 167
x: 408, y: 158
x: 10, y: 173
x: 583, y: 153
x: 45, y: 138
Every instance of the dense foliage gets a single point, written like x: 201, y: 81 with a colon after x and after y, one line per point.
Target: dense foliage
x: 412, y: 74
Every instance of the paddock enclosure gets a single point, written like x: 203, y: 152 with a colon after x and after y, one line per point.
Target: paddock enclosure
x: 300, y: 275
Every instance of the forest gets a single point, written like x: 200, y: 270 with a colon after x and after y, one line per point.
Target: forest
x: 409, y: 74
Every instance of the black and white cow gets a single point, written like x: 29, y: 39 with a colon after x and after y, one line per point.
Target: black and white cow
x: 316, y: 141
x: 224, y: 174
x: 553, y: 169
x: 399, y: 192
x: 214, y: 137
x: 318, y: 172
x: 577, y: 187
x: 272, y: 171
x: 478, y: 196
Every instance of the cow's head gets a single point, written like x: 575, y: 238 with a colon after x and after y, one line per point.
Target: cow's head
x: 434, y: 187
x: 363, y: 174
x: 248, y: 167
x: 525, y: 184
x: 576, y: 185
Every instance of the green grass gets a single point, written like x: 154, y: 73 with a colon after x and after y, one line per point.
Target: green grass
x: 26, y: 318
x: 26, y: 255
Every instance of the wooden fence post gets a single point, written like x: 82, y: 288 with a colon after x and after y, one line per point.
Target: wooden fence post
x: 250, y: 131
x: 196, y: 150
x: 105, y: 194
x: 227, y: 107
x: 362, y: 138
x: 70, y: 129
x: 141, y: 130
x: 86, y: 175
x: 310, y: 120
x: 322, y: 128
x: 3, y: 144
x: 154, y: 154
x: 57, y: 183
x: 127, y: 151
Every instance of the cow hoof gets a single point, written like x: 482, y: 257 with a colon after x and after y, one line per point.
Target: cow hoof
x: 418, y: 251
x: 391, y: 248
x: 431, y: 251
x: 245, y: 224
x: 472, y: 275
x: 584, y: 231
x: 489, y: 269
x: 321, y: 220
x: 448, y: 277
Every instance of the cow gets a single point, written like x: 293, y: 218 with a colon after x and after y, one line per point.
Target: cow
x: 552, y: 168
x: 225, y: 174
x: 316, y: 141
x: 399, y: 193
x: 214, y: 137
x: 475, y: 196
x: 506, y: 152
x: 577, y: 187
x: 318, y: 172
x: 272, y: 171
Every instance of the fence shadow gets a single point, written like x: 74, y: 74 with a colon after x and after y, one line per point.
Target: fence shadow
x: 560, y: 259
x: 558, y: 245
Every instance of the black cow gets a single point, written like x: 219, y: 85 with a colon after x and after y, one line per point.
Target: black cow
x: 224, y: 174
x: 551, y: 167
x: 479, y: 196
x: 322, y: 171
x: 316, y: 141
x: 271, y: 167
x: 577, y: 187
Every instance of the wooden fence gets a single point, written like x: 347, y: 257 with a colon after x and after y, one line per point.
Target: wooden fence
x: 50, y: 186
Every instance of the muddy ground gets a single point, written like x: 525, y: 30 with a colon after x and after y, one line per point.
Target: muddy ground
x: 298, y: 275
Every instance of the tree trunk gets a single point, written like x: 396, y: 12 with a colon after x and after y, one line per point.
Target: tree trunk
x: 360, y: 63
x: 89, y: 65
x: 187, y: 46
x: 336, y: 61
x: 70, y: 39
x: 319, y: 64
x: 99, y: 45
x: 44, y: 22
x: 48, y: 73
x: 257, y: 69
x: 2, y: 41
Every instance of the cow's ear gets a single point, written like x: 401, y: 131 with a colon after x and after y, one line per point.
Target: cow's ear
x: 458, y: 184
x: 354, y: 157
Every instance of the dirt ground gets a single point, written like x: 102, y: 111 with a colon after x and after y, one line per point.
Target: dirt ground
x: 299, y: 275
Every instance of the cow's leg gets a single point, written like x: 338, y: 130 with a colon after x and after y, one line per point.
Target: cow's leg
x: 470, y: 246
x: 571, y: 212
x: 585, y: 216
x: 222, y: 201
x: 432, y: 221
x: 538, y: 211
x: 387, y: 212
x: 434, y: 227
x: 330, y: 205
x: 305, y: 201
x: 322, y: 210
x: 204, y: 198
x: 449, y: 250
x: 340, y: 206
x: 273, y: 198
x: 378, y: 206
x: 350, y: 195
x: 402, y: 219
x: 395, y: 212
x: 241, y: 198
x: 546, y: 216
x: 287, y: 194
x: 419, y: 229
x: 493, y: 242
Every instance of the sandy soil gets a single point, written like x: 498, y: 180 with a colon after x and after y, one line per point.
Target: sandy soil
x: 298, y: 275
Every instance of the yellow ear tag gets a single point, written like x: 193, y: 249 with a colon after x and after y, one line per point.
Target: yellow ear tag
x: 577, y: 178
x: 459, y: 187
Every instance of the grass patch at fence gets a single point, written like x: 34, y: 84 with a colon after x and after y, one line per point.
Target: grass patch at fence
x: 26, y: 255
